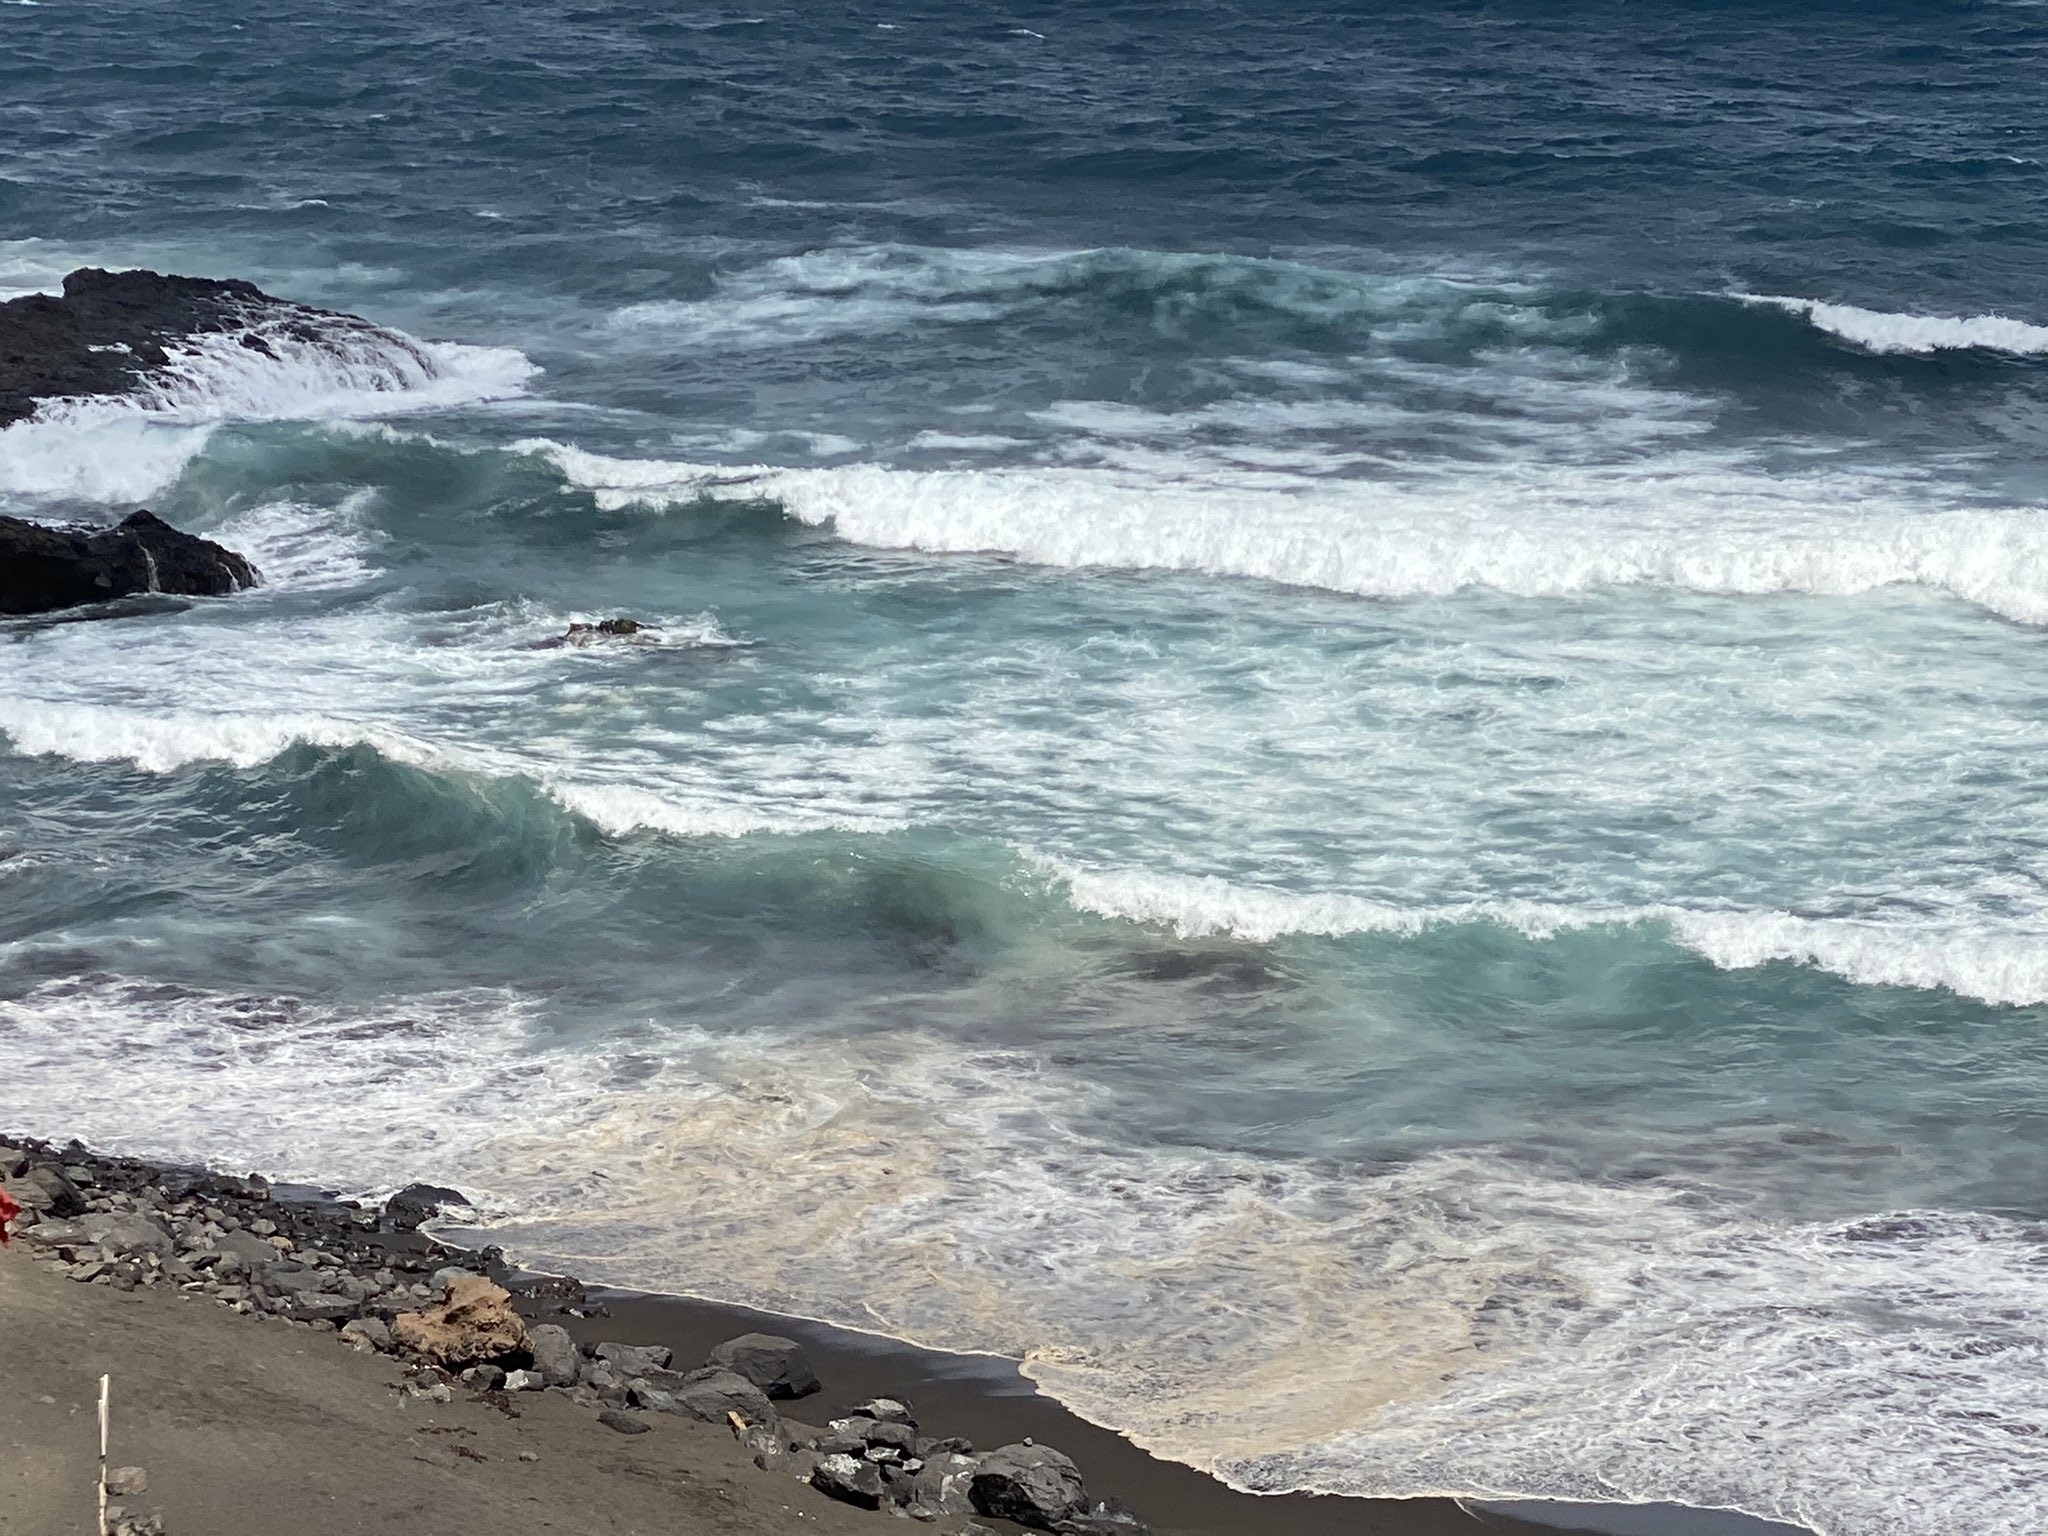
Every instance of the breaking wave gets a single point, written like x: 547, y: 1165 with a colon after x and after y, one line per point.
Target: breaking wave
x: 2004, y: 965
x: 125, y: 448
x: 1882, y: 332
x: 1716, y: 528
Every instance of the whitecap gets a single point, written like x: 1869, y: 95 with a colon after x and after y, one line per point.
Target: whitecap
x: 1884, y: 331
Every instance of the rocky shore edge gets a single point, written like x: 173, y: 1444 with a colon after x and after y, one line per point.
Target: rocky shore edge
x: 462, y: 1321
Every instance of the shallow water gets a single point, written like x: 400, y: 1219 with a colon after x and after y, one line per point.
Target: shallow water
x: 1343, y: 731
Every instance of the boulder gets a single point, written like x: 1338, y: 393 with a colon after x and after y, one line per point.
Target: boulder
x: 624, y: 1423
x: 555, y: 1356
x: 312, y: 1308
x: 366, y: 1333
x: 43, y: 569
x: 47, y: 1192
x: 885, y: 1410
x: 711, y: 1394
x: 127, y: 1232
x: 631, y: 1360
x: 1031, y: 1484
x: 417, y: 1203
x: 849, y: 1479
x: 476, y: 1324
x: 942, y: 1486
x: 776, y: 1365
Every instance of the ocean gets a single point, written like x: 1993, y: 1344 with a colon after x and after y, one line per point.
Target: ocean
x: 1346, y: 734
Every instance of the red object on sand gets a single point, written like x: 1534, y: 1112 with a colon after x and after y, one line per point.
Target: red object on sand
x: 8, y: 1211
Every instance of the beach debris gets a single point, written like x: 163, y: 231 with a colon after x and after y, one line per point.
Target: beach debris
x: 476, y: 1324
x: 778, y: 1366
x: 8, y: 1211
x: 624, y: 1423
x: 1033, y: 1485
x: 106, y: 1400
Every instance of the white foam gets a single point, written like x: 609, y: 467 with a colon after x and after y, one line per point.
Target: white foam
x: 1881, y: 331
x: 342, y: 371
x: 127, y: 448
x: 107, y: 459
x: 1689, y: 522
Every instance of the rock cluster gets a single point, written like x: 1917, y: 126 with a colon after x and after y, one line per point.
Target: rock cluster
x: 466, y: 1320
x: 44, y: 569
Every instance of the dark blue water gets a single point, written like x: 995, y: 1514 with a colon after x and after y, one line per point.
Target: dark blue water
x: 1344, y: 733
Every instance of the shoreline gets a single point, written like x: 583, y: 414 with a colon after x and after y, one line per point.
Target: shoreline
x: 984, y: 1399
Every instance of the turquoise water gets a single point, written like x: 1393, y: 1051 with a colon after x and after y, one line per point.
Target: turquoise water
x: 1343, y: 736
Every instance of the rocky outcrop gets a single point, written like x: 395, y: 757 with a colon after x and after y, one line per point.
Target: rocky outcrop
x: 110, y: 332
x: 476, y: 1324
x: 43, y: 569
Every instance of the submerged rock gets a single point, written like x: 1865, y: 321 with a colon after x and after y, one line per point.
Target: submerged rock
x: 43, y: 569
x: 590, y: 634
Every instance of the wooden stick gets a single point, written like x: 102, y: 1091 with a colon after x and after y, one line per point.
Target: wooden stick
x: 105, y: 1388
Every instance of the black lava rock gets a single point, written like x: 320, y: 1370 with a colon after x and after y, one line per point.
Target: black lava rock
x: 110, y: 331
x: 778, y: 1366
x: 43, y: 568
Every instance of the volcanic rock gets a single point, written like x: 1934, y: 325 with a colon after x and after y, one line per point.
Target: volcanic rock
x: 631, y: 1360
x: 849, y: 1479
x: 555, y: 1355
x: 416, y: 1203
x: 110, y: 333
x: 43, y: 569
x: 1031, y: 1484
x: 776, y: 1365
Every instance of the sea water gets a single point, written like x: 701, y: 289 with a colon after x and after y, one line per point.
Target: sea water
x: 1345, y: 736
